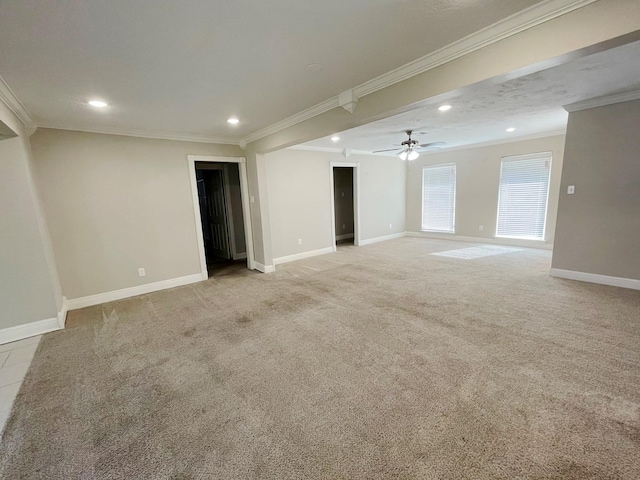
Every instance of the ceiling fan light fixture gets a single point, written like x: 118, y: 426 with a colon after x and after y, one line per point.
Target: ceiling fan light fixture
x: 412, y: 155
x: 403, y: 155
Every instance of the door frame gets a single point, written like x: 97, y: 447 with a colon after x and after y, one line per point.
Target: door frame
x: 246, y: 213
x: 356, y: 201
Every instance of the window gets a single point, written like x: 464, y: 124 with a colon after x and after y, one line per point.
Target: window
x: 522, y: 201
x: 439, y: 198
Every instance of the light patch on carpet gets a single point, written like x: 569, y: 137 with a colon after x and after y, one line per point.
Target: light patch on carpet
x: 477, y: 252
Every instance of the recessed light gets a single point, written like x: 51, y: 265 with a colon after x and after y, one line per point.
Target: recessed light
x: 335, y: 138
x: 511, y: 129
x: 233, y: 121
x: 444, y: 108
x: 97, y: 103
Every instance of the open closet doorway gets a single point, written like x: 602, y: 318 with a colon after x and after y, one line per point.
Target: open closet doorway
x: 344, y: 204
x: 221, y: 208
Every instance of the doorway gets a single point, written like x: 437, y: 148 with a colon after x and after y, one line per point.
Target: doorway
x: 219, y: 188
x: 344, y: 204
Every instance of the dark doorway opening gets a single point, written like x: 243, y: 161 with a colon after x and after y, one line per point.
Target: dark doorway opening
x: 343, y: 204
x: 221, y: 216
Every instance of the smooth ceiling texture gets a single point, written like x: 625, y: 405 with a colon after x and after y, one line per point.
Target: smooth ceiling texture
x: 532, y: 104
x: 185, y: 67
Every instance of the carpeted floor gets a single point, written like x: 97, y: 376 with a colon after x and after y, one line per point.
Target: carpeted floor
x: 373, y: 362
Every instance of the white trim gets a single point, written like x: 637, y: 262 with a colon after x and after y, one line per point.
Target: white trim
x: 142, y: 133
x: 551, y: 133
x: 512, y: 25
x: 300, y: 256
x: 114, y: 295
x: 62, y: 314
x: 265, y: 268
x: 12, y: 334
x: 603, y: 101
x: 631, y: 283
x: 383, y: 238
x: 492, y: 241
x: 246, y: 211
x: 310, y: 148
x: 344, y: 237
x: 299, y: 117
x: 356, y: 201
x: 14, y: 104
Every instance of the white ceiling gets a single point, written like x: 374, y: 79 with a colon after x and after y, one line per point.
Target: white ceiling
x: 184, y: 67
x: 532, y: 104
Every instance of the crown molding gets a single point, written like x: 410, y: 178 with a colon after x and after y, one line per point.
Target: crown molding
x: 603, y: 101
x: 524, y: 138
x: 512, y: 25
x: 143, y: 134
x: 14, y: 104
x: 307, y: 148
x: 299, y: 117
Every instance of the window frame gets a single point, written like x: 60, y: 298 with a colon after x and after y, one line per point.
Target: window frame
x: 455, y: 192
x: 546, y: 155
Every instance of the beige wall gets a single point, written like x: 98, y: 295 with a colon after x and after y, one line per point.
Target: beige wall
x: 477, y: 182
x: 300, y: 198
x: 29, y: 289
x: 598, y: 228
x: 117, y: 203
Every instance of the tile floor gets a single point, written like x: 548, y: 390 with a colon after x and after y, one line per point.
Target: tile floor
x: 15, y: 359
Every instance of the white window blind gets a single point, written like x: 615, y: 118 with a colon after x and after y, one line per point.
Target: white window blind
x: 522, y: 201
x: 439, y: 198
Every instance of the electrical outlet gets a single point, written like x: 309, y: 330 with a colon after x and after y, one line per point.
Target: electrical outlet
x: 253, y: 199
x: 481, y: 228
x: 141, y: 272
x: 390, y: 226
x: 344, y: 227
x: 299, y: 241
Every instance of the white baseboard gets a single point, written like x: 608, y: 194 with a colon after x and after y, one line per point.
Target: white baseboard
x: 90, y: 300
x: 382, y: 239
x: 264, y: 268
x: 595, y: 278
x: 27, y: 330
x: 62, y: 314
x: 344, y: 237
x: 240, y: 256
x: 513, y: 242
x: 300, y: 256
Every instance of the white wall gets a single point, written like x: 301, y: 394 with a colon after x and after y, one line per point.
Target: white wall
x: 598, y: 229
x: 29, y: 290
x: 117, y: 203
x: 299, y: 198
x: 477, y: 183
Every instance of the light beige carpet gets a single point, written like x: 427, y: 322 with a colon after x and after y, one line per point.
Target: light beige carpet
x: 374, y: 362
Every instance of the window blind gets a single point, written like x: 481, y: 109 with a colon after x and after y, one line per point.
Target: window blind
x: 439, y: 198
x: 522, y: 201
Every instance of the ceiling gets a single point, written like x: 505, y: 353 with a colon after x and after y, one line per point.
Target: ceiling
x: 531, y: 104
x: 184, y: 67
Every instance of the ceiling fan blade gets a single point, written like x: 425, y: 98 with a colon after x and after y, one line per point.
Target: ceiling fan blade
x: 432, y: 144
x: 388, y: 150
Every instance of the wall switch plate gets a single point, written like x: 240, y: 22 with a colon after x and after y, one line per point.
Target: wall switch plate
x: 571, y: 189
x: 481, y: 228
x: 390, y: 226
x: 253, y: 199
x: 344, y: 227
x: 141, y: 272
x: 299, y: 241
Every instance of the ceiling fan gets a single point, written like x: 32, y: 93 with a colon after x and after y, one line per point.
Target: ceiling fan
x: 410, y: 147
